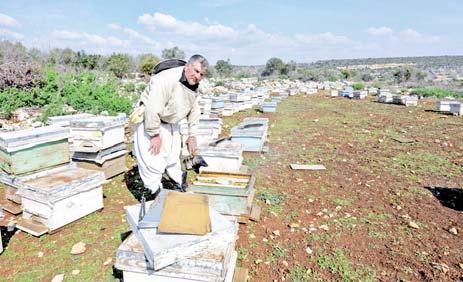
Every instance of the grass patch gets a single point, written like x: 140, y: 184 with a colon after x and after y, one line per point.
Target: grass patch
x: 338, y: 263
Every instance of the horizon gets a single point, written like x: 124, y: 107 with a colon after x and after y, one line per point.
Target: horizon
x: 246, y: 33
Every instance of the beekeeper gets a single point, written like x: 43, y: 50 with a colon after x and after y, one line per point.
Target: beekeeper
x: 170, y: 96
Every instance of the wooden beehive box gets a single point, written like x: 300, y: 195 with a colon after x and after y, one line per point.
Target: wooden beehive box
x: 163, y: 249
x: 29, y: 150
x: 226, y: 156
x: 268, y: 107
x: 111, y: 165
x: 65, y: 120
x: 56, y: 197
x: 444, y: 105
x: 251, y: 133
x: 210, y: 265
x: 97, y: 133
x: 229, y: 193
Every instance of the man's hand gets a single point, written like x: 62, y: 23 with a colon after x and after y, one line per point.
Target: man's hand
x: 191, y: 143
x: 155, y: 146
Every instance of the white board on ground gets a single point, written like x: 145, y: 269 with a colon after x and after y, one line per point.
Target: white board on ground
x: 307, y: 167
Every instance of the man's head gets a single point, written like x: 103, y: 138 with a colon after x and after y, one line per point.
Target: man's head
x: 195, y: 69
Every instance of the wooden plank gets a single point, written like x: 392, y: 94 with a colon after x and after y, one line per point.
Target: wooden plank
x: 255, y: 212
x: 241, y: 274
x: 32, y: 227
x: 307, y: 167
x: 12, y: 207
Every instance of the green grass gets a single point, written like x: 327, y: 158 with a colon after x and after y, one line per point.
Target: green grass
x: 338, y: 263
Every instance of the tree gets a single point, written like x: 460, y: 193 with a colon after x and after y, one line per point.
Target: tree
x: 275, y: 66
x: 173, y: 53
x: 223, y: 68
x: 147, y: 63
x: 367, y: 77
x: 119, y: 64
x: 345, y: 73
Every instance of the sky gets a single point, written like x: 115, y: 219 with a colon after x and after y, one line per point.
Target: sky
x: 244, y: 32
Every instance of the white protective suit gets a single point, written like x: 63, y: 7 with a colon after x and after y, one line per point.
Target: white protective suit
x: 166, y: 101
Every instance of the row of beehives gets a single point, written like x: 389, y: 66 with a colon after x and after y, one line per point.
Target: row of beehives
x: 40, y: 180
x: 149, y: 254
x: 450, y: 106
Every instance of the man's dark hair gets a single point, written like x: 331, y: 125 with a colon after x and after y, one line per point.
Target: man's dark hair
x: 198, y: 58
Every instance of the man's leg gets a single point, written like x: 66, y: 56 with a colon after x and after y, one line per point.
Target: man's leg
x: 174, y: 169
x: 150, y: 167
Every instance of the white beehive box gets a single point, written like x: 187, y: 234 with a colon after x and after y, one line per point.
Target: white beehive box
x: 456, y: 109
x: 58, y: 196
x: 444, y: 105
x: 163, y: 249
x: 226, y: 156
x: 210, y: 265
x: 97, y: 133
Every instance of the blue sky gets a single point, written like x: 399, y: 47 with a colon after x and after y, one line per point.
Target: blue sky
x: 246, y: 32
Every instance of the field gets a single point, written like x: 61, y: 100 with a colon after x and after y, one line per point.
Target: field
x: 383, y: 209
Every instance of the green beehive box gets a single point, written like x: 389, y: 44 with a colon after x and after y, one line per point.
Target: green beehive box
x: 229, y: 193
x: 29, y: 150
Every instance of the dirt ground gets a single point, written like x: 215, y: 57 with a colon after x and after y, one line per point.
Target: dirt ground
x: 383, y: 209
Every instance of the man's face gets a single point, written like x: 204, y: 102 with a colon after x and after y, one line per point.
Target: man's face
x: 194, y: 72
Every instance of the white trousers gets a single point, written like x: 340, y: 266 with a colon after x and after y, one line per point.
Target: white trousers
x: 151, y: 167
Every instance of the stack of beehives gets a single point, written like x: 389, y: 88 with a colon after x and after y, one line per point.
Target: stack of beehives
x: 37, y: 173
x: 98, y: 143
x: 151, y: 255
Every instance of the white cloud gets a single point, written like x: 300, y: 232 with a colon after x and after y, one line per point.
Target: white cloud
x: 326, y: 38
x: 167, y: 23
x: 83, y: 38
x: 133, y: 34
x: 6, y: 20
x: 8, y: 34
x: 411, y: 35
x: 379, y: 31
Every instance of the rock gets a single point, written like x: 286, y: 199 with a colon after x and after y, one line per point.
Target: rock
x: 78, y: 248
x: 413, y: 225
x: 293, y: 225
x: 453, y: 230
x: 440, y: 266
x: 40, y: 254
x: 58, y: 278
x: 75, y: 272
x: 285, y: 263
x: 104, y: 113
x: 309, y: 251
x: 324, y: 227
x: 107, y: 261
x: 460, y: 265
x: 265, y: 240
x: 252, y: 236
x: 258, y: 261
x: 276, y: 233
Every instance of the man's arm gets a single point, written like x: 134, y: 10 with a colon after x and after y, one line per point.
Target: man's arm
x: 193, y: 120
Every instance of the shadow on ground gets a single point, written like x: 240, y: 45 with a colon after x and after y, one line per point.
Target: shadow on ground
x: 448, y: 197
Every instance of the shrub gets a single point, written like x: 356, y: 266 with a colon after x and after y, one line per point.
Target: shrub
x: 436, y: 92
x: 358, y: 86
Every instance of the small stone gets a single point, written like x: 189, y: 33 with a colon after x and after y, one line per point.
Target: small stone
x: 453, y: 230
x: 107, y: 261
x: 304, y: 229
x: 309, y: 251
x: 40, y: 254
x: 319, y: 214
x: 338, y: 208
x: 311, y: 200
x: 258, y: 261
x: 58, y: 278
x: 274, y: 214
x: 265, y: 240
x: 315, y: 120
x: 252, y: 236
x: 285, y: 263
x: 78, y: 248
x: 276, y: 233
x: 413, y: 225
x: 267, y: 263
x: 324, y: 227
x: 75, y: 272
x: 460, y: 265
x: 294, y: 225
x: 440, y: 266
